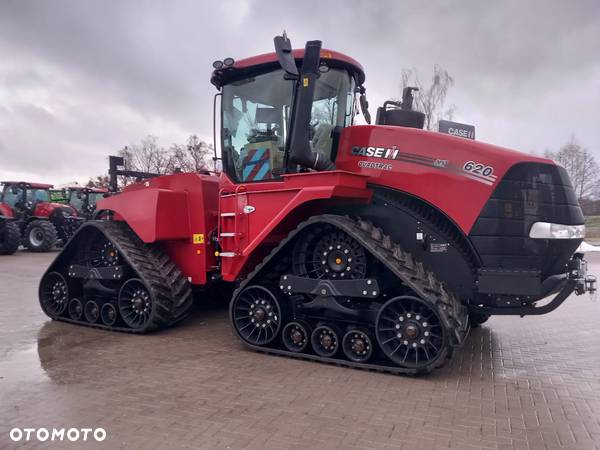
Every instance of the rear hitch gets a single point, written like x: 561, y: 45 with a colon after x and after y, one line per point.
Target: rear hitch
x: 578, y: 273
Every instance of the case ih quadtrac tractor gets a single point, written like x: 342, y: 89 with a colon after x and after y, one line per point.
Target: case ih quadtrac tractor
x: 42, y: 222
x: 372, y: 246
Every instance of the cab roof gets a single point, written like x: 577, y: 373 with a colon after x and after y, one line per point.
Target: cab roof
x: 28, y: 184
x: 93, y: 190
x: 267, y: 60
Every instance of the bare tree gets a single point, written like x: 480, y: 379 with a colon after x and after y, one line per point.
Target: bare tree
x: 195, y: 156
x: 100, y: 181
x: 581, y: 166
x: 147, y: 156
x: 430, y: 99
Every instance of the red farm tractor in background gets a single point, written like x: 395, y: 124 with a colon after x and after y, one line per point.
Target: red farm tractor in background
x: 373, y: 246
x: 42, y: 223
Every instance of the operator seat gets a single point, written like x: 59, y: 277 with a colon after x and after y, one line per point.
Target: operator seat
x: 322, y: 141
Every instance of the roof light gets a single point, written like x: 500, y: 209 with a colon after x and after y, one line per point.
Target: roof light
x: 228, y: 62
x: 545, y: 230
x: 218, y: 65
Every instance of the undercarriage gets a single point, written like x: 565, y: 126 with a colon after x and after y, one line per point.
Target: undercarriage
x: 348, y: 295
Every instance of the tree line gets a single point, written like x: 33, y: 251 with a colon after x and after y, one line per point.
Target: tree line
x: 148, y: 156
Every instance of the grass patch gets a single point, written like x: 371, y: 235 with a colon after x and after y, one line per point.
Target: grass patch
x: 592, y: 227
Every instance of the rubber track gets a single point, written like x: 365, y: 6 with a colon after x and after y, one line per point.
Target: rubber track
x: 412, y: 273
x: 171, y: 291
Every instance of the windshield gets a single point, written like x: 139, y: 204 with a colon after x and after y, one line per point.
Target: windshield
x: 256, y: 114
x: 38, y: 195
x: 74, y: 201
x: 94, y: 197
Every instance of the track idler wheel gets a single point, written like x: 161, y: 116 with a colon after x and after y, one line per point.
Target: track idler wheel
x: 75, y: 309
x: 135, y: 303
x: 54, y: 294
x: 357, y: 346
x: 108, y: 314
x: 296, y: 336
x: 256, y: 315
x: 325, y: 340
x: 411, y: 333
x: 329, y: 253
x: 91, y: 311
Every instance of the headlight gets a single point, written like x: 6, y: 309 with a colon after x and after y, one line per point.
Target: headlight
x: 545, y: 230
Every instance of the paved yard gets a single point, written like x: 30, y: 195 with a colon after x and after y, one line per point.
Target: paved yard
x: 519, y: 383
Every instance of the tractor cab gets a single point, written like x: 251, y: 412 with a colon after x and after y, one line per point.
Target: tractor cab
x: 84, y: 199
x: 22, y: 197
x: 262, y: 101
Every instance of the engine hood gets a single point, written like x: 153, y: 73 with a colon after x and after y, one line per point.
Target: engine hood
x: 454, y: 174
x: 46, y: 208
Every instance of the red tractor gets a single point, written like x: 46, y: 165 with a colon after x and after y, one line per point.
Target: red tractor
x: 42, y: 223
x: 373, y: 246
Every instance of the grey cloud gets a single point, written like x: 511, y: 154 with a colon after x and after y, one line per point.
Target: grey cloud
x: 80, y: 79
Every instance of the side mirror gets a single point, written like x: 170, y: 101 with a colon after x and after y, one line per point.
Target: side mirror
x: 364, y: 104
x: 283, y: 49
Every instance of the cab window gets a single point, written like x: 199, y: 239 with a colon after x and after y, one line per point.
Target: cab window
x: 11, y: 198
x: 256, y: 116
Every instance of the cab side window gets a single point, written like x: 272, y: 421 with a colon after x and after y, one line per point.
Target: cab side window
x: 10, y: 198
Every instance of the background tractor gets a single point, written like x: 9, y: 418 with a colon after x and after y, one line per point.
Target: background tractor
x: 42, y: 222
x: 84, y: 199
x: 372, y: 246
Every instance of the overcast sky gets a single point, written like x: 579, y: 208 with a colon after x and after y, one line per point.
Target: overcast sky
x: 81, y: 79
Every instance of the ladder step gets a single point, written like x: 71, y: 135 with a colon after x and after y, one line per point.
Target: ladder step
x: 228, y: 234
x: 228, y: 214
x: 227, y: 254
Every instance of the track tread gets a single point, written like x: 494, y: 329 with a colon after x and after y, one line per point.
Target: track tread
x: 401, y: 263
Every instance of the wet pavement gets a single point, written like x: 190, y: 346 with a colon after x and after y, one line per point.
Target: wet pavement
x: 519, y: 383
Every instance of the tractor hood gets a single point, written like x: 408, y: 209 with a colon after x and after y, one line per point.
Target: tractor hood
x: 456, y: 174
x: 44, y: 209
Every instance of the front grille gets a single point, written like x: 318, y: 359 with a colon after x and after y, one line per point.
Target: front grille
x: 528, y: 193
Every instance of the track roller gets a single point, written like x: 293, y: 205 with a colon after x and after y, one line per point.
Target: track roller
x: 357, y: 346
x: 256, y: 315
x: 75, y: 309
x: 410, y: 333
x: 325, y: 340
x: 295, y: 336
x: 108, y: 314
x: 54, y: 294
x: 91, y: 311
x: 135, y: 303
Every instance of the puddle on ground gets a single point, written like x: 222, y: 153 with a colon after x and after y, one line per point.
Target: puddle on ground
x: 21, y: 366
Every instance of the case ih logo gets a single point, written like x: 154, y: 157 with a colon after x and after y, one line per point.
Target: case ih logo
x: 376, y: 152
x: 472, y: 170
